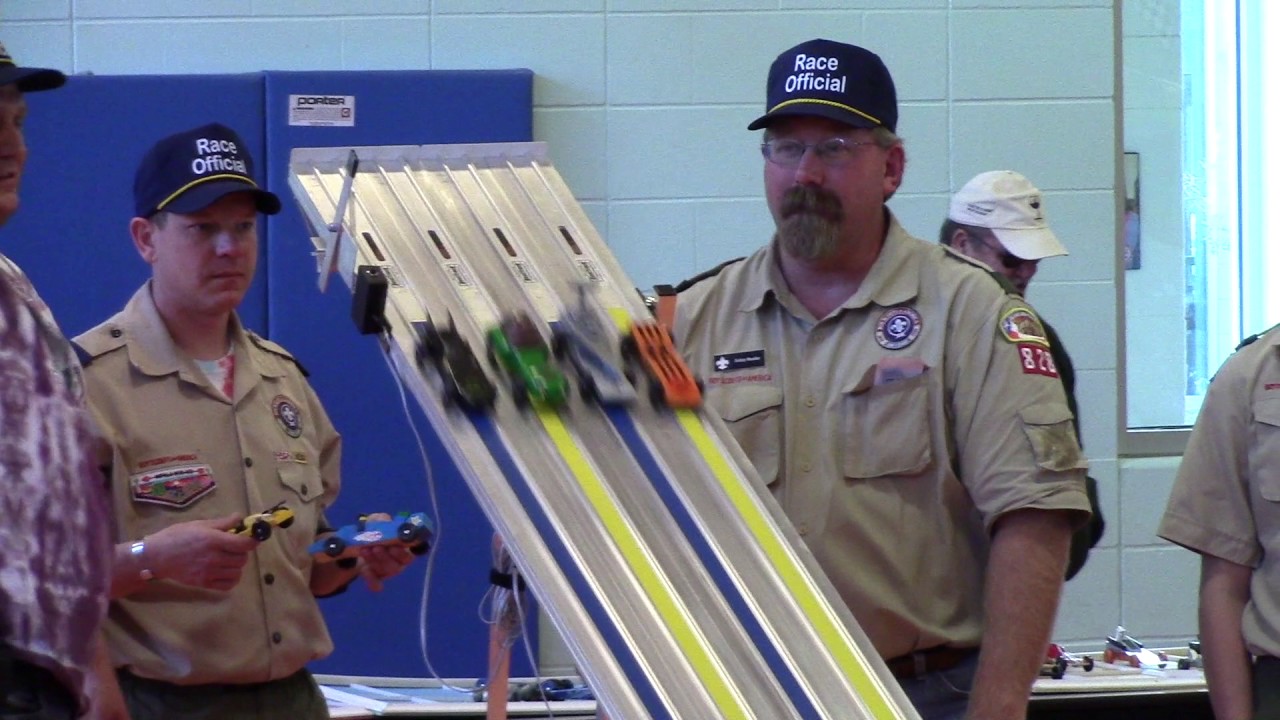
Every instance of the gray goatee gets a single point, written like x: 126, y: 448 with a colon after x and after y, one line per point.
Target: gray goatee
x: 810, y: 222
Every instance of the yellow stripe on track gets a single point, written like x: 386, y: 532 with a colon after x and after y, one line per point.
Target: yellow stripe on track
x: 825, y: 625
x: 694, y: 645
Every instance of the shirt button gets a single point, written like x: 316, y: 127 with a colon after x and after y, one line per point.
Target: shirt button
x: 116, y: 332
x: 805, y: 466
x: 248, y: 462
x: 303, y: 490
x: 276, y: 638
x: 269, y: 578
x: 803, y: 529
x: 810, y: 402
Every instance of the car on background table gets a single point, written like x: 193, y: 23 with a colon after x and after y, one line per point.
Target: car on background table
x: 1123, y: 649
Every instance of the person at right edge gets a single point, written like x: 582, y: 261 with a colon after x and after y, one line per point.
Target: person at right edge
x: 1225, y: 505
x: 998, y: 218
x: 901, y: 406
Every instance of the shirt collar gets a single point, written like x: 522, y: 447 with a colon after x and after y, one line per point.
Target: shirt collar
x: 151, y: 348
x: 893, y: 280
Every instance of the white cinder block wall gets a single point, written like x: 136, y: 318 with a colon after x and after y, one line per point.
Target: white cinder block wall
x: 645, y: 103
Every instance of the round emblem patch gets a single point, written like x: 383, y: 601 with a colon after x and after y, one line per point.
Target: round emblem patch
x: 898, y: 327
x: 287, y: 415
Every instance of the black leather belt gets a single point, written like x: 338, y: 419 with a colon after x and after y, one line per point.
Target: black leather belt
x: 923, y: 662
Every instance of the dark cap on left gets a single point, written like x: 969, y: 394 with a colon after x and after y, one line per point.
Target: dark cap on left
x: 28, y: 79
x: 191, y: 170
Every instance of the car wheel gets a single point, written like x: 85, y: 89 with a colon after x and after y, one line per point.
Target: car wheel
x: 587, y: 389
x: 520, y: 394
x: 261, y: 530
x: 657, y: 396
x: 559, y: 345
x: 287, y: 522
x: 334, y: 546
x: 1087, y: 663
x: 408, y: 532
x: 629, y: 348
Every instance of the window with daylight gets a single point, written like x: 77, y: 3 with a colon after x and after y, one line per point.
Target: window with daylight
x: 1202, y: 182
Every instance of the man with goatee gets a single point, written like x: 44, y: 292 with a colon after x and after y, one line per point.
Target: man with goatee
x: 902, y: 408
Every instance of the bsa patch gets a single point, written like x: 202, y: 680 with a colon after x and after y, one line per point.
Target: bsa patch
x: 728, y: 362
x: 287, y: 415
x: 176, y: 486
x: 1020, y: 325
x: 898, y: 327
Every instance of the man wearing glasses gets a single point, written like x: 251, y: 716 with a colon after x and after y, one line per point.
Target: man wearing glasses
x: 900, y: 405
x: 998, y: 218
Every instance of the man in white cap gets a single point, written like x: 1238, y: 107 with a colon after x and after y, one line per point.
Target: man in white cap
x: 998, y: 218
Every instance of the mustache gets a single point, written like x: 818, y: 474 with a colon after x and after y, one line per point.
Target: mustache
x: 809, y: 200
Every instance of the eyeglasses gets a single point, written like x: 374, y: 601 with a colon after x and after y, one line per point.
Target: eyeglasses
x: 833, y: 152
x: 1006, y: 258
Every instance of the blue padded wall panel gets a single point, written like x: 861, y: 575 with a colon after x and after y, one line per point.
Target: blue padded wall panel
x: 71, y: 232
x: 382, y: 471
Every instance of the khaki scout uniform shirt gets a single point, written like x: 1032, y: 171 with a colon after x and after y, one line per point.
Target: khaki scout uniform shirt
x: 894, y: 432
x: 1226, y: 499
x: 183, y: 451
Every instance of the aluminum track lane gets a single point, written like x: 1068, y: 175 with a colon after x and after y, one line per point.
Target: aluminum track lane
x: 556, y: 493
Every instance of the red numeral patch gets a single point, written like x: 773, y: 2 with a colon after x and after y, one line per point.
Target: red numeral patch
x: 1037, y: 360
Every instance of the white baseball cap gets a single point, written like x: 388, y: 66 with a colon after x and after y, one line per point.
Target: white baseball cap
x: 1006, y: 203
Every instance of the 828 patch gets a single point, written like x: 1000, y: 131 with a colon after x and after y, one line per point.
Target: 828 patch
x: 1036, y: 360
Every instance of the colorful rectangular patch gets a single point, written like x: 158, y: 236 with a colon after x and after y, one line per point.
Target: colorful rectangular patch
x: 1036, y: 360
x: 176, y: 486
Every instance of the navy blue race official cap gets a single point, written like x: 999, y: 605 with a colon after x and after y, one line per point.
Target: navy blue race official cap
x: 833, y: 80
x: 27, y: 79
x: 191, y: 170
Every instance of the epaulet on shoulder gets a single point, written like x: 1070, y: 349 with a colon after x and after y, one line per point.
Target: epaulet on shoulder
x: 1254, y: 337
x: 97, y: 342
x: 686, y: 284
x: 274, y: 349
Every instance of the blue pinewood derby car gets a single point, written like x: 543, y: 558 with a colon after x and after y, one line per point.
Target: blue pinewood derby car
x: 412, y: 530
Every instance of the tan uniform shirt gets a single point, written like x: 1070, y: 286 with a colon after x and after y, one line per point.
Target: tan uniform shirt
x: 1226, y: 499
x: 183, y: 451
x: 895, y: 431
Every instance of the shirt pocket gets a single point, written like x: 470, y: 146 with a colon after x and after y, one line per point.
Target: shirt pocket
x: 754, y: 416
x: 301, y: 482
x: 1049, y: 428
x: 886, y: 428
x: 1264, y: 451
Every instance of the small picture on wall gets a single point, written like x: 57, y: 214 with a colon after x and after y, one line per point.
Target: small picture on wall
x: 1132, y: 214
